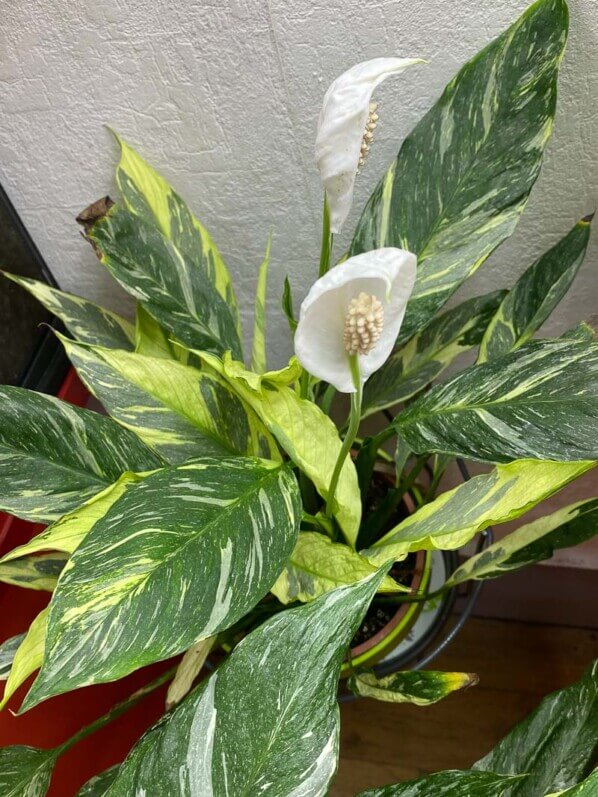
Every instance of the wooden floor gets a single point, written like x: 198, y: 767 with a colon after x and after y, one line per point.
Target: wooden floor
x: 518, y: 663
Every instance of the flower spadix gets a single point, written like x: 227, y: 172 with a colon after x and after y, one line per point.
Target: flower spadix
x: 355, y: 309
x: 346, y: 128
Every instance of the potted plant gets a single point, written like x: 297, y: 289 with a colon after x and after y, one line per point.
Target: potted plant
x: 220, y: 513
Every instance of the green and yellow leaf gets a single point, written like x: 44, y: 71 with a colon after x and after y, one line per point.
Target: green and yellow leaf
x: 410, y: 368
x: 268, y: 716
x: 8, y: 648
x: 151, y: 339
x: 456, y: 516
x: 533, y: 542
x: 164, y: 279
x: 420, y: 687
x: 539, y: 401
x: 178, y: 410
x: 86, y: 321
x: 318, y: 565
x: 307, y: 435
x: 147, y: 194
x: 34, y: 572
x: 464, y: 174
x: 182, y: 555
x: 535, y: 294
x: 54, y: 456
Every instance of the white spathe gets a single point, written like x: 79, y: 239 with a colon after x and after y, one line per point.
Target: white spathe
x: 389, y: 275
x: 341, y: 128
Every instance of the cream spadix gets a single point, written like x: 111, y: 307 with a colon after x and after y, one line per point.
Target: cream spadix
x: 356, y: 309
x: 345, y: 130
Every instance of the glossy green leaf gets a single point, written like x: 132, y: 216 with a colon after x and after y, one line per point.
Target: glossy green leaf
x: 54, y: 456
x: 86, y: 321
x: 452, y: 783
x: 463, y: 175
x: 34, y: 572
x: 540, y: 401
x: 422, y: 688
x: 587, y: 788
x: 165, y: 279
x: 307, y: 435
x: 452, y: 519
x: 182, y: 555
x: 258, y: 352
x: 28, y: 657
x: 66, y: 534
x: 318, y: 565
x: 409, y: 369
x: 267, y: 719
x: 26, y: 771
x: 98, y: 786
x: 178, y: 410
x: 147, y: 194
x: 287, y: 305
x: 8, y: 648
x: 556, y: 745
x: 535, y: 294
x: 533, y: 542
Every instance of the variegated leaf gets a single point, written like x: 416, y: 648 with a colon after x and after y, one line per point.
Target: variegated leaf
x: 165, y: 279
x: 66, y: 534
x: 98, y: 786
x: 587, y: 788
x: 409, y: 369
x: 54, y: 456
x: 26, y: 771
x: 540, y: 401
x: 307, y: 435
x: 86, y: 321
x: 318, y: 565
x: 150, y: 338
x: 28, y: 657
x: 34, y: 572
x: 178, y: 410
x: 582, y: 332
x: 258, y: 352
x: 420, y: 687
x: 8, y: 648
x: 179, y: 557
x: 452, y: 783
x: 267, y: 721
x: 147, y: 194
x: 452, y: 519
x: 463, y: 176
x: 535, y: 294
x: 533, y: 542
x: 555, y: 746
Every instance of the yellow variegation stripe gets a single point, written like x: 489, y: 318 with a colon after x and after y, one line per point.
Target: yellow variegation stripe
x: 451, y: 520
x: 29, y: 656
x: 258, y: 352
x: 308, y: 436
x: 148, y: 194
x: 85, y: 320
x: 318, y: 565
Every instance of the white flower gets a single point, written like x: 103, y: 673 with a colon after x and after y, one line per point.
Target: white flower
x: 342, y: 139
x: 355, y: 308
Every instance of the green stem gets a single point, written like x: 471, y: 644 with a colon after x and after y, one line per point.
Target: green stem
x: 354, y: 419
x: 329, y: 394
x: 326, y: 247
x: 118, y: 709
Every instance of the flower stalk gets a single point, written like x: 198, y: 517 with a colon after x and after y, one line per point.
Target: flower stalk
x: 326, y: 246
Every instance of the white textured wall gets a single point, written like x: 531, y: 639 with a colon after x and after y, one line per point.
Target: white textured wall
x: 222, y: 97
